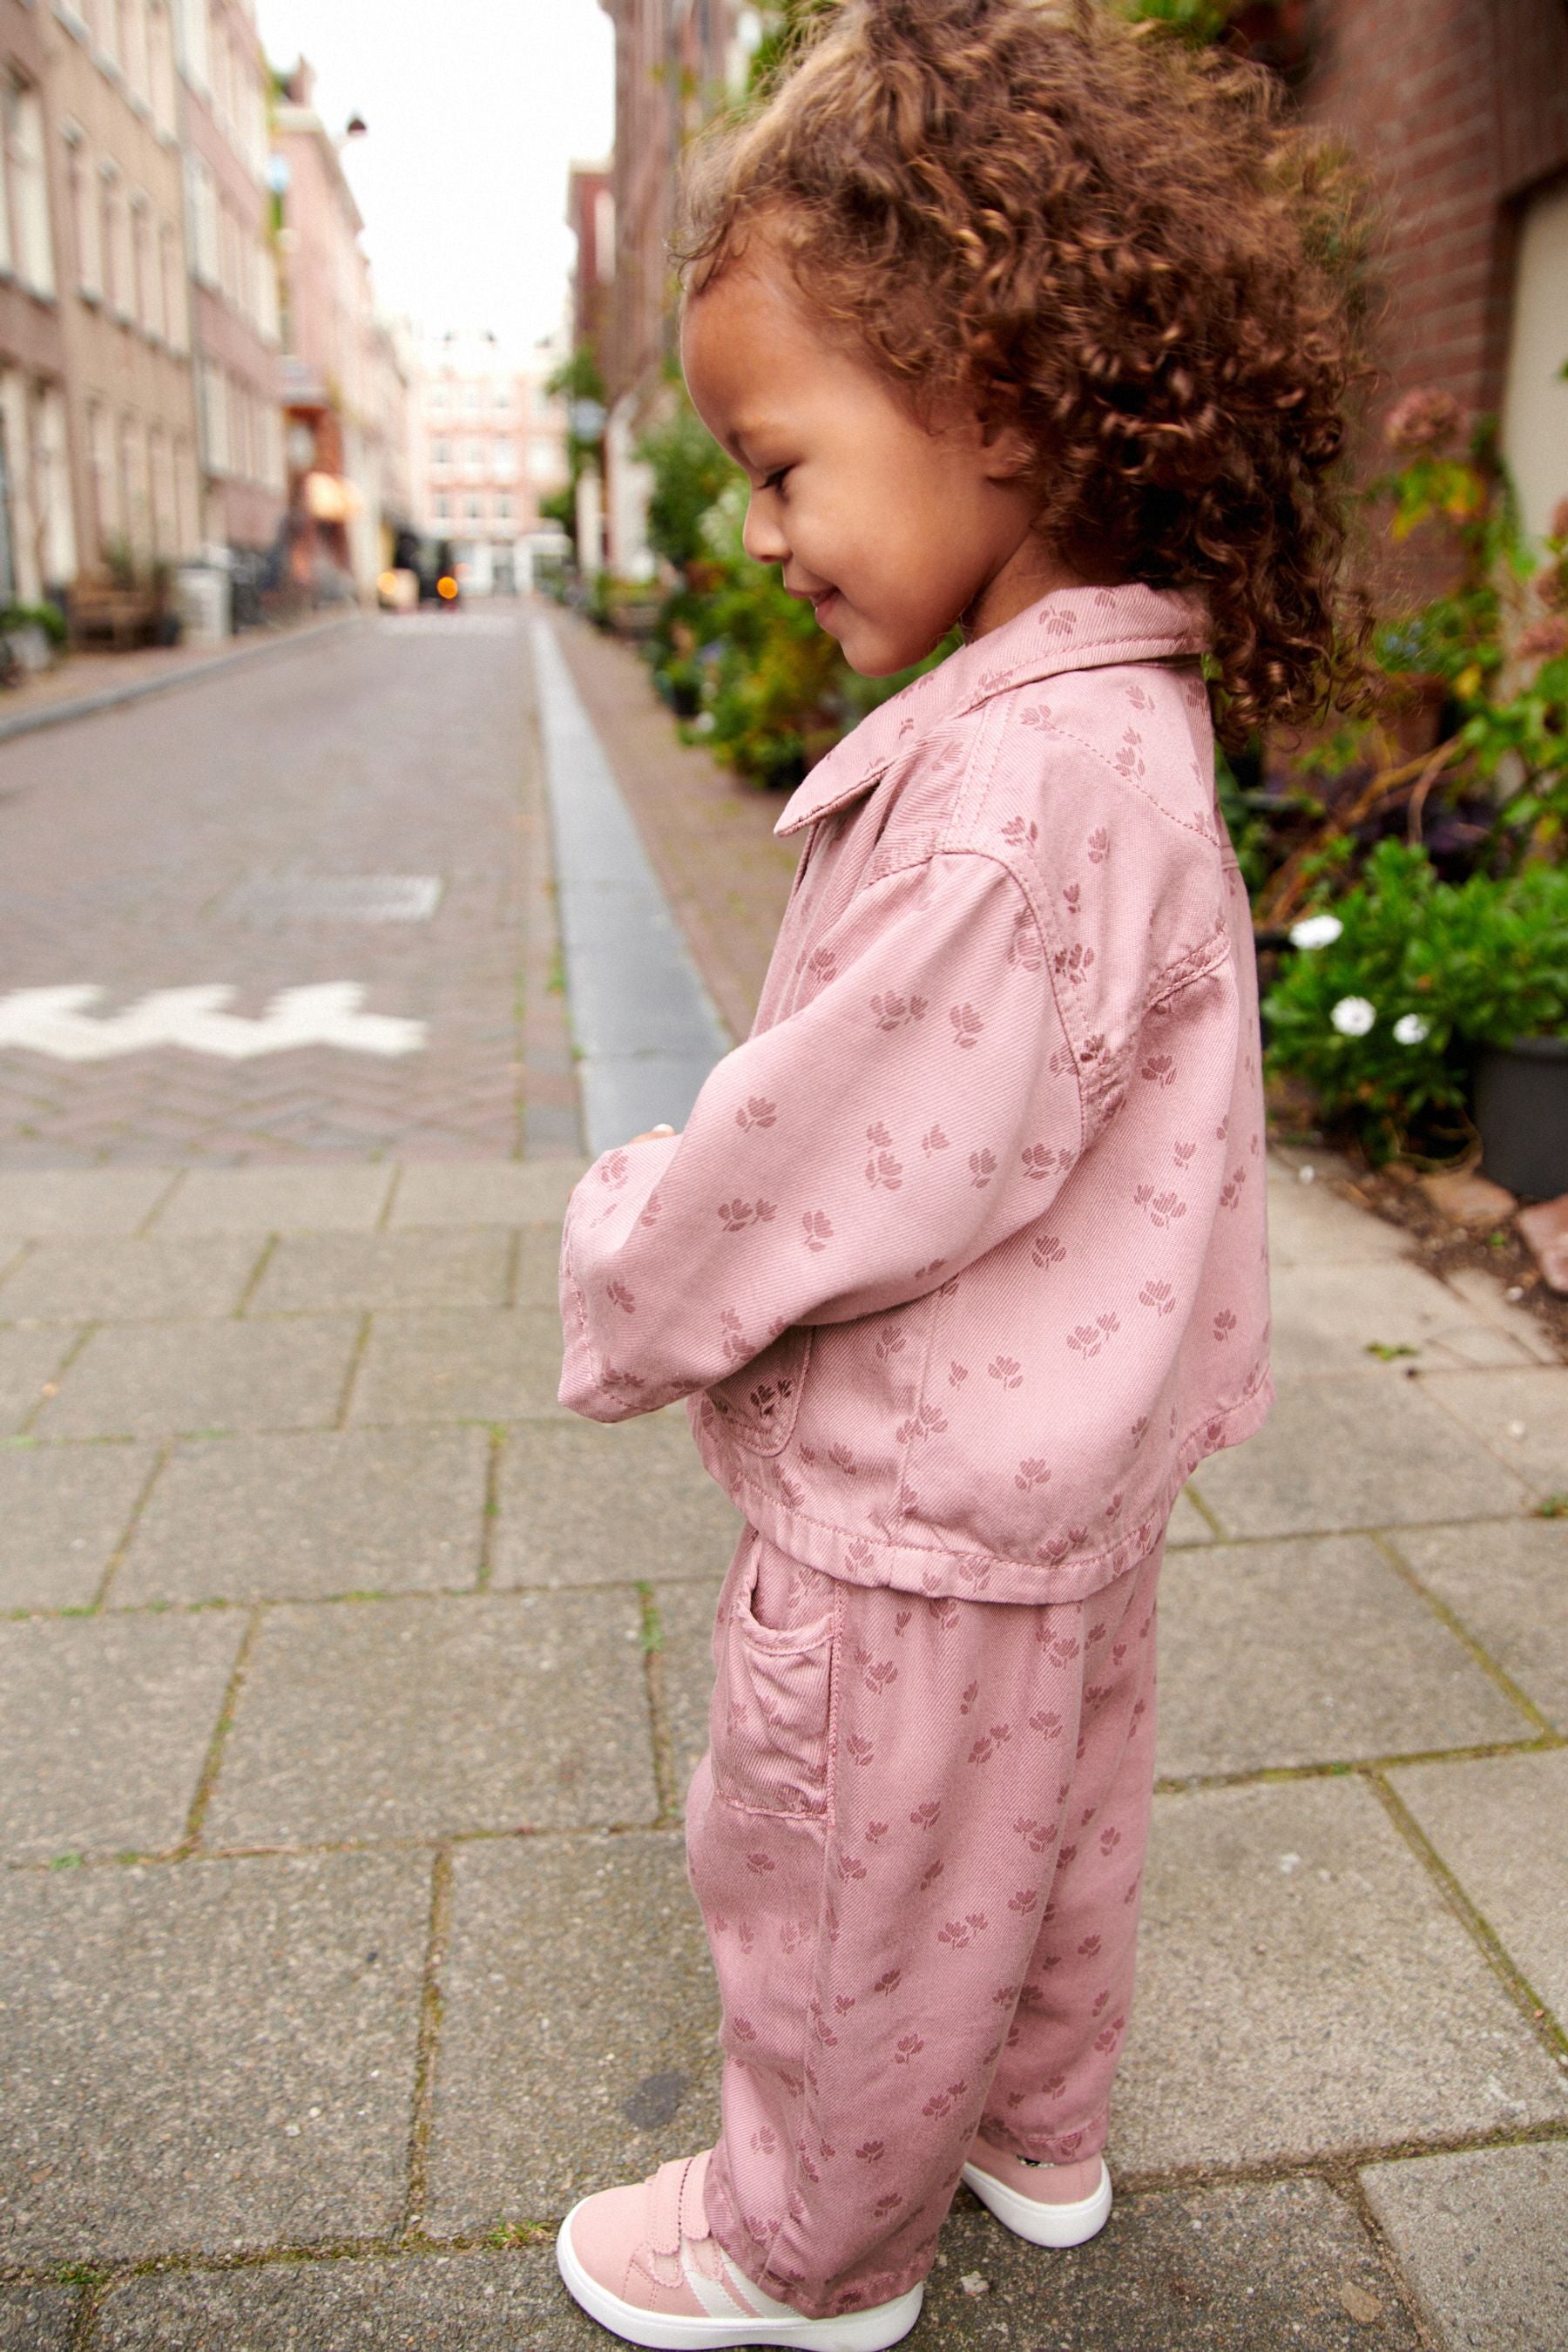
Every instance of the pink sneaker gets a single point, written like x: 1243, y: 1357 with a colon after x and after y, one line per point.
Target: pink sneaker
x: 1009, y: 2186
x: 642, y: 2261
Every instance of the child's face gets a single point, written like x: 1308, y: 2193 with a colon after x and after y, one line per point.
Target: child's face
x: 892, y: 531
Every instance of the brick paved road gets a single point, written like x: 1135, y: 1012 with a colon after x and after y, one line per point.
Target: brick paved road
x: 400, y: 748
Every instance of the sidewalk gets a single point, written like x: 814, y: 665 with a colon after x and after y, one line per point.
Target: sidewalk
x: 350, y: 1689
x: 84, y: 682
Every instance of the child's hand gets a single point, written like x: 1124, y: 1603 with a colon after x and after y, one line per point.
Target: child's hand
x: 650, y: 1134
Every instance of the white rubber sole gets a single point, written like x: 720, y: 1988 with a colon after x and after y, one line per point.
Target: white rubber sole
x: 862, y: 2331
x: 1031, y: 2218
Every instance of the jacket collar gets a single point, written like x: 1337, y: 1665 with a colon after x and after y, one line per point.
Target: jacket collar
x: 1072, y: 628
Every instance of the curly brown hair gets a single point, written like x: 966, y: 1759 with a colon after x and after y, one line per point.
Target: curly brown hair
x: 1114, y: 243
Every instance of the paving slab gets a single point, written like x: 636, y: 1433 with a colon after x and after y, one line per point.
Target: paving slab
x: 1309, y: 1225
x: 120, y: 1277
x: 206, y: 2057
x: 1485, y: 1294
x: 1307, y: 1652
x: 1522, y: 1416
x: 686, y: 1629
x: 1305, y: 1989
x: 1449, y: 2218
x: 276, y: 1199
x: 1357, y: 1451
x: 1284, y: 2263
x: 1507, y: 1583
x: 310, y: 1518
x: 62, y: 1512
x: 484, y: 1192
x: 422, y: 1718
x: 38, y: 2318
x: 27, y: 1359
x: 537, y: 1282
x: 1497, y: 1822
x: 582, y: 1503
x: 79, y: 1200
x: 449, y: 1364
x: 1332, y: 1318
x: 510, y: 2302
x: 578, y: 2047
x: 105, y: 1722
x: 164, y: 1380
x: 431, y: 1268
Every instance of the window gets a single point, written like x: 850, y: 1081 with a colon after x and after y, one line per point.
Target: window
x: 133, y: 49
x: 503, y: 459
x: 440, y: 453
x: 161, y: 466
x: 265, y: 278
x: 133, y: 472
x: 149, y: 291
x: 442, y: 508
x: 119, y: 273
x: 471, y: 398
x: 503, y: 510
x: 102, y: 476
x: 191, y: 35
x: 184, y: 495
x: 161, y: 73
x: 29, y: 249
x: 545, y: 462
x: 212, y: 417
x: 437, y: 400
x: 474, y: 509
x: 51, y: 487
x: 474, y: 456
x: 83, y: 197
x: 543, y: 401
x: 201, y: 220
x: 502, y: 399
x: 173, y: 280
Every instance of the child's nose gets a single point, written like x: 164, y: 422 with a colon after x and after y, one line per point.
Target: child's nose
x: 761, y: 537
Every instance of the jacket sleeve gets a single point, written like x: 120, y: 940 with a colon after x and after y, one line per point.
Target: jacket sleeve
x: 918, y: 1105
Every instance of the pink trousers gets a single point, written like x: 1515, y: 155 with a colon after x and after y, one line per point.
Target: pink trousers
x: 917, y: 1840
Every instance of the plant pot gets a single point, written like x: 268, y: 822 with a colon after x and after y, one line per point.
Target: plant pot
x: 1521, y: 1111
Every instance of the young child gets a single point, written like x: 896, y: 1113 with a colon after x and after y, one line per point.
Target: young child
x: 1020, y: 320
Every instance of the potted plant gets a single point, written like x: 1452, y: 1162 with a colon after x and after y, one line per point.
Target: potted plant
x: 1408, y: 1000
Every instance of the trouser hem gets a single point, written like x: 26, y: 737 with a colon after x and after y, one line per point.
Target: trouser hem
x: 751, y: 2259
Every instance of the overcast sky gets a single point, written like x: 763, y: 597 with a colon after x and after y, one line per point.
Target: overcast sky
x: 475, y: 108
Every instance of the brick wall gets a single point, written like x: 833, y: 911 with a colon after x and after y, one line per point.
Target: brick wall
x: 1458, y: 109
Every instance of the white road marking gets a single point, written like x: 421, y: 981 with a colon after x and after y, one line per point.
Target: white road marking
x: 56, y: 1020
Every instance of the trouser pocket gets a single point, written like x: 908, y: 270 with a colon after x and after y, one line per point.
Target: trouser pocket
x: 772, y: 1694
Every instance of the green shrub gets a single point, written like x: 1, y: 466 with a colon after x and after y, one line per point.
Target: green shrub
x: 45, y: 616
x: 1391, y: 992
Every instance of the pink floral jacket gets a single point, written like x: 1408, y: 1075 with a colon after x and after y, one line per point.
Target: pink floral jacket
x: 961, y: 1258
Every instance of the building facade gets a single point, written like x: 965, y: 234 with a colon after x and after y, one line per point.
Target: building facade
x: 37, y: 539
x: 490, y: 444
x: 1461, y: 108
x: 233, y: 273
x: 118, y: 185
x: 344, y: 387
x: 676, y: 61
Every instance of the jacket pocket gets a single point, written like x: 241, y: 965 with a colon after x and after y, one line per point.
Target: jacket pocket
x: 757, y: 1405
x: 769, y: 1723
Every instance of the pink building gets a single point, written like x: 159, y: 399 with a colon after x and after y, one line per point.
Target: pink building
x: 344, y: 382
x: 489, y: 444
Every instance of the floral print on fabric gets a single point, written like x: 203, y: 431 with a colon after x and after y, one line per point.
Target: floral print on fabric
x: 942, y: 1934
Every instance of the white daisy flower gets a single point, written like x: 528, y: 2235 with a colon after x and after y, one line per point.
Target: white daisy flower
x: 1352, y: 1016
x: 1316, y: 932
x: 1411, y: 1030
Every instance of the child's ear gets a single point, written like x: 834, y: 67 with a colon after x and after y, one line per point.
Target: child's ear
x: 1005, y: 449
